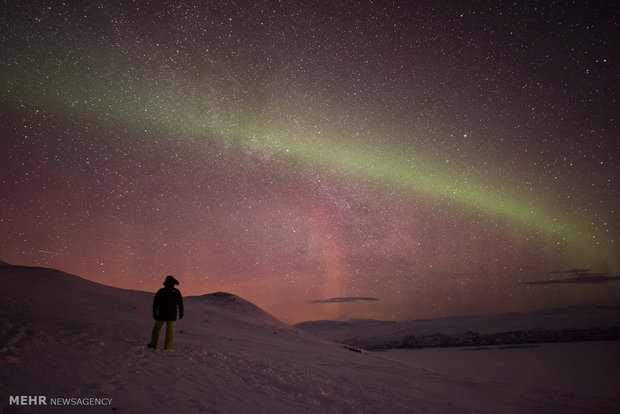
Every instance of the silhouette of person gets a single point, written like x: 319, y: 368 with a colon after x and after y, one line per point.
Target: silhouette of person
x: 165, y: 304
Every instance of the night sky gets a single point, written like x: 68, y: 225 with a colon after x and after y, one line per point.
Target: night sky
x: 413, y: 159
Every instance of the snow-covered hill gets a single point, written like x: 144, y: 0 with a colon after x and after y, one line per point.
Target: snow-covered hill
x: 549, y: 325
x: 65, y: 337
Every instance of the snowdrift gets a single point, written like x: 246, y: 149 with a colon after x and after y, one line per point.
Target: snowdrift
x: 68, y: 339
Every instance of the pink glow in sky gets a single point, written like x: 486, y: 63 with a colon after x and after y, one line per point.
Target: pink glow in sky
x: 431, y: 157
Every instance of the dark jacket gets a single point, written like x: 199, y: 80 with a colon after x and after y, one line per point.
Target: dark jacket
x: 165, y: 304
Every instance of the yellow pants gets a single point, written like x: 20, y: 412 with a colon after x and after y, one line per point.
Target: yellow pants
x: 169, y: 334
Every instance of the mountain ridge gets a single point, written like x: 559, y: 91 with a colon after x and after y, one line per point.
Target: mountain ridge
x: 585, y: 322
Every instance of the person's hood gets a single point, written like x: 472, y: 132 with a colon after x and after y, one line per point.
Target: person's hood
x: 170, y: 281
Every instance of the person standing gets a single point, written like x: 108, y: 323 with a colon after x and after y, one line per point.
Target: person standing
x: 167, y: 300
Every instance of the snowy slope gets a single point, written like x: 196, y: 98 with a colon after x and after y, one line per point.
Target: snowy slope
x: 62, y: 336
x: 549, y: 325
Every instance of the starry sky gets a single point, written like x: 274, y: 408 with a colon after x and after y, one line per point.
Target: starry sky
x: 322, y: 159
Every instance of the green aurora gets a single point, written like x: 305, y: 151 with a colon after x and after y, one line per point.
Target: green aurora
x: 220, y: 111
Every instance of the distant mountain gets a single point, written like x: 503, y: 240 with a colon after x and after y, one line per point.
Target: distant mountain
x: 548, y: 325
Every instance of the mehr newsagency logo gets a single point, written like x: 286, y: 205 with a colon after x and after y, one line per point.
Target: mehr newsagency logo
x: 58, y: 401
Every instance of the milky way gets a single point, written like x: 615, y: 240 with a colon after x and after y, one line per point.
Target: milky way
x: 436, y: 159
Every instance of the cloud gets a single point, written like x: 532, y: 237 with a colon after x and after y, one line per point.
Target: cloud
x: 342, y: 300
x: 577, y: 276
x: 577, y: 271
x: 50, y: 252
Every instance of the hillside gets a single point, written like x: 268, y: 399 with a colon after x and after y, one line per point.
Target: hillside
x: 63, y: 336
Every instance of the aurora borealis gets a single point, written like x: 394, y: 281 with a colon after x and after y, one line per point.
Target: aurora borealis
x: 434, y: 158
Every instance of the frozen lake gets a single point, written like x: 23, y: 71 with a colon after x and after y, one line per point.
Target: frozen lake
x: 584, y: 369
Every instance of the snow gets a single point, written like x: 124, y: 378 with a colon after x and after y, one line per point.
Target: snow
x: 62, y: 336
x: 559, y: 367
